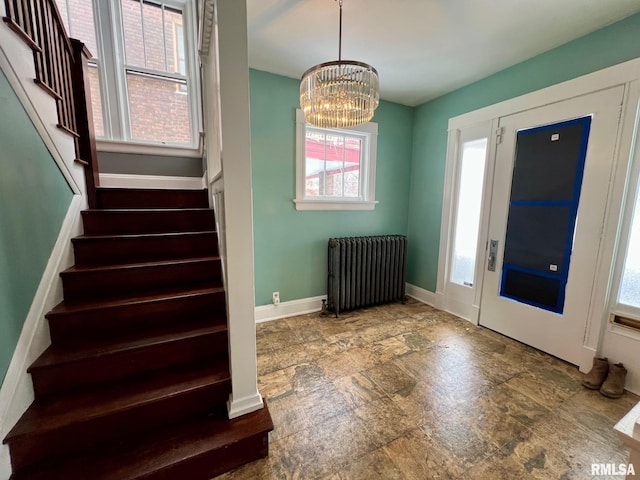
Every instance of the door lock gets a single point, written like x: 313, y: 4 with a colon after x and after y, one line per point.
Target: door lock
x: 493, y: 253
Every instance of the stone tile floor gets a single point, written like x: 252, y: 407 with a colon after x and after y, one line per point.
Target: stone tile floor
x: 410, y: 392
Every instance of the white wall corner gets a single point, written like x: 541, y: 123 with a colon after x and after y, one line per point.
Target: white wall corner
x: 16, y: 393
x: 266, y: 313
x: 244, y: 405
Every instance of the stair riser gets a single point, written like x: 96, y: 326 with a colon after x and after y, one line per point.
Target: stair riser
x: 94, y: 371
x: 112, y: 251
x: 217, y: 462
x: 94, y: 284
x: 145, y: 198
x: 121, y: 223
x: 107, y: 322
x: 74, y: 440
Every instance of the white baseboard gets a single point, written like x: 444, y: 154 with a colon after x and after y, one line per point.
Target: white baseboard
x: 16, y: 393
x: 5, y: 463
x: 266, y: 313
x: 425, y: 296
x: 121, y: 180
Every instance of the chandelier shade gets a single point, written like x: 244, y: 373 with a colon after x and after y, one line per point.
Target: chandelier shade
x: 339, y: 94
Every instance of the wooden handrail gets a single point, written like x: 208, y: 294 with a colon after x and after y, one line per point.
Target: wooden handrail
x: 40, y: 25
x: 62, y: 71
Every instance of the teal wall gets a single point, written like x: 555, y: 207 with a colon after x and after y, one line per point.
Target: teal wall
x: 34, y: 199
x: 291, y: 245
x: 611, y: 45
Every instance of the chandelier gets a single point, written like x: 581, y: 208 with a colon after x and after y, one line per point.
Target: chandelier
x: 339, y: 94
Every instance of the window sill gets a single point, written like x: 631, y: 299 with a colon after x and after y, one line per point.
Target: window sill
x: 137, y: 148
x: 334, y: 205
x: 624, y: 331
x: 620, y: 329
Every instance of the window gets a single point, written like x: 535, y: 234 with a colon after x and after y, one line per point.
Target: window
x: 335, y: 169
x: 142, y: 72
x: 626, y: 292
x: 467, y: 224
x: 630, y: 282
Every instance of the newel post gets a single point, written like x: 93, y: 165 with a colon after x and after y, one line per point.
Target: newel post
x: 86, y: 150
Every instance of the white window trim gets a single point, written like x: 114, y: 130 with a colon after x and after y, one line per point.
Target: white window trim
x: 368, y: 180
x: 113, y: 89
x: 463, y: 300
x: 624, y: 245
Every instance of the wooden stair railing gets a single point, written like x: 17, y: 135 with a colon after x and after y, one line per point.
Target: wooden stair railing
x: 62, y: 71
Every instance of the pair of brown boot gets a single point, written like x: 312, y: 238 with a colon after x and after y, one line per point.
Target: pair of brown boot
x: 608, y: 378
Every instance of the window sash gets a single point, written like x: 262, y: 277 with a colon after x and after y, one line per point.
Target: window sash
x: 362, y: 163
x: 368, y: 136
x: 113, y: 70
x: 629, y: 275
x: 627, y: 255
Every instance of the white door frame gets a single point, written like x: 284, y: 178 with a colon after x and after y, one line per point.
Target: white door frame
x: 464, y: 305
x: 627, y: 74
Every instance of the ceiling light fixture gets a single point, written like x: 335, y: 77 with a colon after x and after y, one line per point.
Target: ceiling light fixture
x: 339, y: 94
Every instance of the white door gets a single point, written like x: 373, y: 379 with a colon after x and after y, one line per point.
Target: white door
x: 463, y: 268
x: 551, y: 182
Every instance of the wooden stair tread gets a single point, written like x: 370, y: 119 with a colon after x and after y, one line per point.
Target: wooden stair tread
x: 165, y: 448
x: 63, y: 308
x: 63, y: 410
x: 56, y: 355
x: 126, y: 266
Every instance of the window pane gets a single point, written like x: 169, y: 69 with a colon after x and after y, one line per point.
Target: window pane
x: 159, y: 110
x: 77, y: 16
x: 154, y: 36
x: 468, y: 211
x: 314, y: 163
x: 132, y: 26
x: 96, y: 101
x: 174, y: 41
x: 64, y: 13
x: 332, y: 166
x: 630, y: 285
x: 352, y: 155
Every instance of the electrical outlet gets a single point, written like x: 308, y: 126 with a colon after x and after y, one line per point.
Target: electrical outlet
x: 276, y: 298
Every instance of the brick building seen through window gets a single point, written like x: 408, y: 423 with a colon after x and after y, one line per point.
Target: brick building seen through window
x: 156, y: 86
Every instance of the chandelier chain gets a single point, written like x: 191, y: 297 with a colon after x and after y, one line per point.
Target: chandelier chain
x: 340, y: 33
x: 339, y: 94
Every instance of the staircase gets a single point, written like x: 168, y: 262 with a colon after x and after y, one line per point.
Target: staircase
x: 135, y: 382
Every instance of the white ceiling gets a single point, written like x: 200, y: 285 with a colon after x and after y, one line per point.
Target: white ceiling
x: 421, y: 48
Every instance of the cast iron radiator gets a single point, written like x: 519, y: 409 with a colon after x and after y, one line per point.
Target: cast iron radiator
x: 365, y: 271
